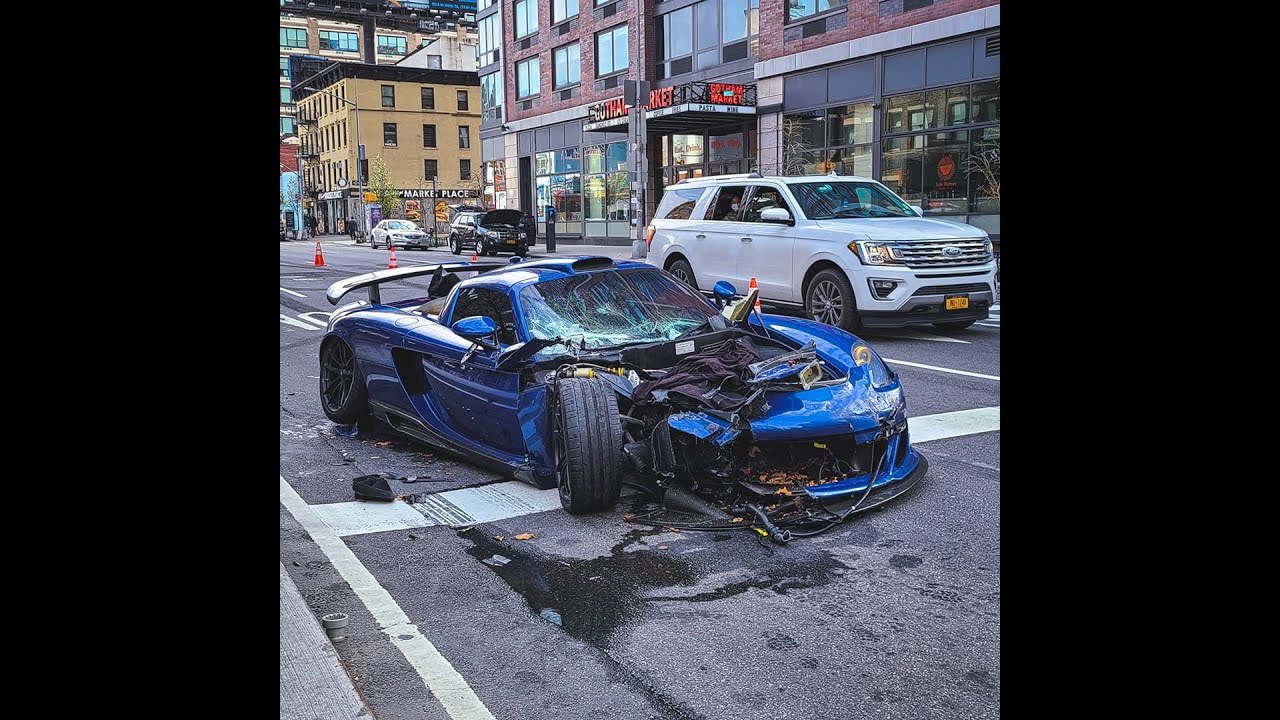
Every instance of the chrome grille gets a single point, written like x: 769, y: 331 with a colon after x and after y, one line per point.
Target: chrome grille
x: 929, y: 253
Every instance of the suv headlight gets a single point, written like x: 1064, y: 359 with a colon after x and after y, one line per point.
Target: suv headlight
x: 876, y: 253
x: 521, y: 236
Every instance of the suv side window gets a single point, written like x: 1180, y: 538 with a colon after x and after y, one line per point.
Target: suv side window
x: 764, y: 197
x: 492, y: 304
x: 677, y: 203
x: 722, y: 207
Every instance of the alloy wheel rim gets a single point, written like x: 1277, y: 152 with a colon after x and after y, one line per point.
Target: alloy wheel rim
x: 828, y: 303
x: 337, y: 375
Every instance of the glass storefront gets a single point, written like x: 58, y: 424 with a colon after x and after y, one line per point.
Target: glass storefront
x: 606, y: 189
x: 559, y: 184
x: 719, y: 151
x: 941, y: 151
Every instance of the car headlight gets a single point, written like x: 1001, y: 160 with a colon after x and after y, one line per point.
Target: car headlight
x: 877, y: 372
x: 986, y: 245
x: 876, y: 253
x: 521, y: 236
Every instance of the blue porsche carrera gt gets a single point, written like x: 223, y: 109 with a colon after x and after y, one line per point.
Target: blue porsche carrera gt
x: 575, y: 373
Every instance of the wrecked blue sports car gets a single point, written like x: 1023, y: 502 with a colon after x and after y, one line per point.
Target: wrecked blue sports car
x: 582, y: 373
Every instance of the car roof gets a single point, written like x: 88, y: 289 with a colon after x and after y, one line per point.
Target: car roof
x: 520, y: 274
x: 737, y: 179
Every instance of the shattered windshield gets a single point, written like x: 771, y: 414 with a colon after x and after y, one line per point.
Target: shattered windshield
x: 607, y: 309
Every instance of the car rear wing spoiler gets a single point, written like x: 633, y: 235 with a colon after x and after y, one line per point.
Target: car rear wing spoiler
x: 372, y: 280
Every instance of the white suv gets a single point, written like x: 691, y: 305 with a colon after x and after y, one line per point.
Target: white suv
x: 846, y: 249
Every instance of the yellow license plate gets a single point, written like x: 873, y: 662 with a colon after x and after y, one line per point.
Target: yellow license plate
x: 513, y: 242
x: 960, y: 302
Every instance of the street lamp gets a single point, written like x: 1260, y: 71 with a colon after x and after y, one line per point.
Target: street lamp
x: 359, y: 145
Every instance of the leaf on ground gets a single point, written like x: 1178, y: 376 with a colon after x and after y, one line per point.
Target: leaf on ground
x: 499, y: 538
x: 628, y: 516
x: 736, y: 520
x: 384, y: 443
x: 524, y: 536
x: 783, y: 491
x: 662, y: 547
x: 671, y: 529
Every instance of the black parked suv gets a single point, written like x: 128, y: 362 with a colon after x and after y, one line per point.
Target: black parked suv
x: 489, y: 233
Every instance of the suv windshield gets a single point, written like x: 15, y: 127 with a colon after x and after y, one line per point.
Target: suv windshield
x: 607, y: 309
x: 830, y: 200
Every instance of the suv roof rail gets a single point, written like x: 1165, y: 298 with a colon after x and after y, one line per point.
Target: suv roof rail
x: 734, y: 176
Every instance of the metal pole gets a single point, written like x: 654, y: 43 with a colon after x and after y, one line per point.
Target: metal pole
x: 359, y: 146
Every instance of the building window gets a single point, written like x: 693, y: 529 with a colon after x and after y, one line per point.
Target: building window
x: 464, y: 102
x: 464, y: 136
x: 706, y: 35
x: 606, y: 189
x: 392, y: 45
x: 568, y: 65
x: 293, y: 37
x: 801, y: 9
x: 527, y: 76
x: 286, y: 126
x: 428, y: 136
x: 940, y: 149
x: 484, y: 4
x: 428, y: 98
x: 491, y: 92
x: 835, y: 140
x: 340, y: 41
x: 563, y: 10
x: 559, y: 183
x: 909, y: 5
x: 430, y: 169
x: 435, y: 62
x: 464, y: 169
x: 389, y: 134
x: 526, y: 15
x: 286, y: 96
x: 490, y: 31
x: 284, y: 66
x: 611, y: 51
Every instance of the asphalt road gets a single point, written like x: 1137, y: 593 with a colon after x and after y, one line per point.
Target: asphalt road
x: 895, y: 614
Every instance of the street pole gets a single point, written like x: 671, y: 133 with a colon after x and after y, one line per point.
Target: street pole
x: 359, y: 152
x: 639, y: 122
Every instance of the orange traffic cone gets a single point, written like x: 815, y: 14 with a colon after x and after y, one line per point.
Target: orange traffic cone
x: 393, y: 264
x: 319, y: 255
x: 473, y: 257
x: 751, y: 287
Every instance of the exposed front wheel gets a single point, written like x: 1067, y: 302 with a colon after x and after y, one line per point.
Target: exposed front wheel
x: 830, y: 300
x: 684, y: 273
x: 342, y: 391
x: 587, y: 445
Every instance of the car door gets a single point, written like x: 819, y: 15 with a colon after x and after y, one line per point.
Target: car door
x: 716, y: 238
x: 476, y: 399
x: 766, y: 250
x: 375, y: 235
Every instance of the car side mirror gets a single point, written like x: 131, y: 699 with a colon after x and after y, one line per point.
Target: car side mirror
x: 724, y: 291
x: 479, y: 329
x: 777, y: 215
x: 918, y: 210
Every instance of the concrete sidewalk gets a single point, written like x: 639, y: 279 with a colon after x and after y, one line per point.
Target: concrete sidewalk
x: 313, y: 681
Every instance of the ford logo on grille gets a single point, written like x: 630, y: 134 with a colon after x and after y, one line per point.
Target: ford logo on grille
x: 951, y: 251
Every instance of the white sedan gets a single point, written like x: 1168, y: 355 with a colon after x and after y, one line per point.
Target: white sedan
x: 402, y: 233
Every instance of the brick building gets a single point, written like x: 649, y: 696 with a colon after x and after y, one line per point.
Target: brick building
x: 881, y: 89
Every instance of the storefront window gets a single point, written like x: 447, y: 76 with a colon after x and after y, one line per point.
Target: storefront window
x: 606, y: 189
x: 559, y: 183
x: 952, y: 172
x: 834, y: 140
x: 707, y: 34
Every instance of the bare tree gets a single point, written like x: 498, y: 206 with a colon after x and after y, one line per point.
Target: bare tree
x: 794, y: 150
x: 984, y: 162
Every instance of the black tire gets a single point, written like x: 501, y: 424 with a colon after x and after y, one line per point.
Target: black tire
x: 523, y: 252
x: 957, y: 325
x: 829, y: 299
x: 684, y: 272
x: 587, y: 445
x: 372, y: 245
x: 343, y: 394
x: 455, y: 247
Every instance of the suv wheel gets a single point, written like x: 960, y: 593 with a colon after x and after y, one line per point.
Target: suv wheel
x: 684, y: 272
x: 829, y: 300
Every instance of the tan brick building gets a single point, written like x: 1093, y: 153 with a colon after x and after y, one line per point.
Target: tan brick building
x: 421, y: 122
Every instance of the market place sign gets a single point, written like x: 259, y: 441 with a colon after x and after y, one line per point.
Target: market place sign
x: 700, y: 97
x: 419, y: 194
